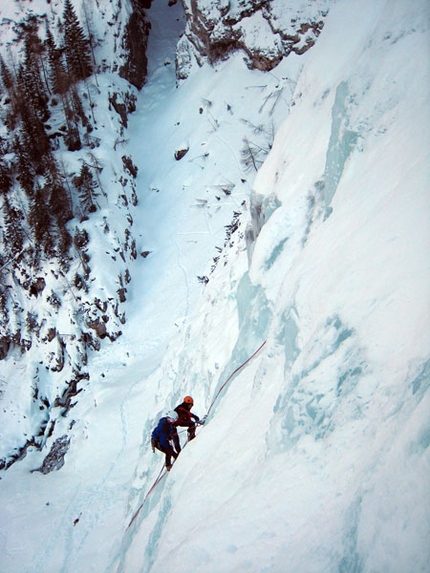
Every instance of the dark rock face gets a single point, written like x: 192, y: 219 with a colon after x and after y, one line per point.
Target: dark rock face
x: 135, y: 42
x: 264, y: 30
x: 4, y: 347
x: 55, y: 459
x: 181, y: 152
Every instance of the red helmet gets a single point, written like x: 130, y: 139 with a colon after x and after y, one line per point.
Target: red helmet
x: 188, y: 400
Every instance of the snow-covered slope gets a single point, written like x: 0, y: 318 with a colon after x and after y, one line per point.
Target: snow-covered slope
x: 315, y: 457
x: 62, y: 286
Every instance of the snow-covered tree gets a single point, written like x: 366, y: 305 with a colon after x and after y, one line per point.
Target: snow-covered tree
x: 6, y: 75
x: 77, y: 47
x: 86, y: 186
x: 60, y: 81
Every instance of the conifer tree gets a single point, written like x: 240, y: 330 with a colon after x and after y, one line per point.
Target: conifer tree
x: 64, y: 243
x: 31, y: 86
x: 77, y: 106
x: 34, y: 138
x: 6, y: 75
x: 76, y: 46
x: 86, y: 186
x: 41, y: 223
x: 13, y: 233
x: 35, y: 53
x: 61, y: 85
x: 59, y: 201
x: 58, y: 75
x: 24, y: 167
x: 9, y: 84
x: 5, y: 178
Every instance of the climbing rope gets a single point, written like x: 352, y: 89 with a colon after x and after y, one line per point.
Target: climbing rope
x: 232, y: 375
x: 160, y: 476
x: 163, y: 470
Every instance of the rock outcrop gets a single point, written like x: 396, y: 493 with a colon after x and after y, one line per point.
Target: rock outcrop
x: 264, y: 30
x: 135, y: 41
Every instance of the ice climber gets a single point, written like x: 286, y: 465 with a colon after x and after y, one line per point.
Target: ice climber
x: 163, y: 435
x: 186, y: 418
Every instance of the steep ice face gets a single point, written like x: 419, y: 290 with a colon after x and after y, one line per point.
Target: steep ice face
x: 342, y: 142
x: 318, y: 438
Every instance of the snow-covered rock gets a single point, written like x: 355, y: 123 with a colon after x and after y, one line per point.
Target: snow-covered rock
x: 264, y: 31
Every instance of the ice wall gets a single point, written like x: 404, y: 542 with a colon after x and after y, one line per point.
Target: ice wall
x: 317, y: 457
